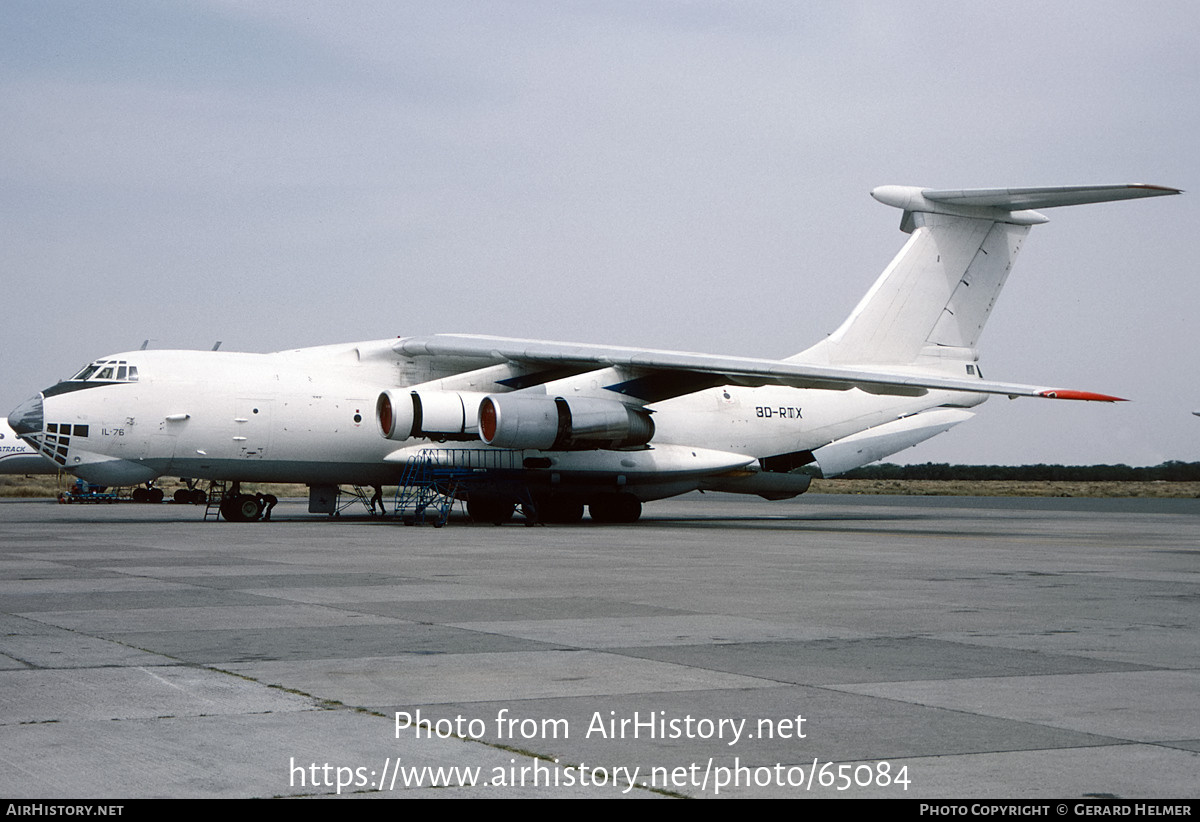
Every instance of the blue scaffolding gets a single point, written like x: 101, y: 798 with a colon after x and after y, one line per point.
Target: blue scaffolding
x: 434, y: 478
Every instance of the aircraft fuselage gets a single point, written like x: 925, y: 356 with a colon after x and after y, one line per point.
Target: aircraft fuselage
x: 309, y: 416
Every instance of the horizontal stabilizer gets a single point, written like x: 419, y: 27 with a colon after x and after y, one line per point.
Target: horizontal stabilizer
x: 1012, y: 205
x: 1013, y: 199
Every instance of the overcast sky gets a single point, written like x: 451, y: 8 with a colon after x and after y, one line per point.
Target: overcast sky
x: 688, y: 175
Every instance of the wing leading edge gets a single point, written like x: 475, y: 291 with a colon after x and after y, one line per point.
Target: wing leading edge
x: 665, y: 374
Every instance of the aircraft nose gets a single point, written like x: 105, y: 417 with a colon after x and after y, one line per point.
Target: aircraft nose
x: 27, y: 418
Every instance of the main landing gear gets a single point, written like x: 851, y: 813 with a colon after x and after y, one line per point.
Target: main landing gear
x: 193, y: 494
x: 487, y: 508
x: 555, y: 510
x: 615, y: 508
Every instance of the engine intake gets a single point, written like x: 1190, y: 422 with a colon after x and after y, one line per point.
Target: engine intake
x: 556, y: 424
x: 439, y: 415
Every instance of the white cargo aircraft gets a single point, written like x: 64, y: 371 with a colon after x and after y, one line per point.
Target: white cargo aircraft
x: 557, y: 426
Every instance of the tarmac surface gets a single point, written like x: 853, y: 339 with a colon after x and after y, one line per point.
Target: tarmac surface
x: 723, y: 646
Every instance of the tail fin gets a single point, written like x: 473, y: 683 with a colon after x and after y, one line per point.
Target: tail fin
x: 931, y: 303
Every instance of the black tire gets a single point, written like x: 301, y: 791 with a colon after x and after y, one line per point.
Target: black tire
x: 484, y: 508
x: 241, y: 508
x: 560, y: 511
x: 619, y: 508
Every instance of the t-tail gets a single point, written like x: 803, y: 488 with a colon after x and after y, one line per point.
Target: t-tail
x: 927, y: 310
x: 929, y: 306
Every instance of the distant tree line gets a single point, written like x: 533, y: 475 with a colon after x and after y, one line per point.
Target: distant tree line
x: 1171, y: 471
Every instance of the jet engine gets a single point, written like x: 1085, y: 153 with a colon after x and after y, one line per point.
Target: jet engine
x: 436, y: 415
x: 556, y: 424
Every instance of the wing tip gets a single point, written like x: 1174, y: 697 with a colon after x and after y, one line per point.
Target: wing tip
x: 1068, y: 394
x: 1159, y: 189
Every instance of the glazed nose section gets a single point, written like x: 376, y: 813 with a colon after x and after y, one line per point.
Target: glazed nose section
x: 27, y: 418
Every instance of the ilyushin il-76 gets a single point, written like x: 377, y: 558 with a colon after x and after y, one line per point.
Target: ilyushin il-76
x: 556, y: 427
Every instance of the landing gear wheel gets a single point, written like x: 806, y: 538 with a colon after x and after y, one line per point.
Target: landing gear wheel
x: 560, y: 511
x: 241, y: 508
x: 616, y: 508
x: 482, y: 508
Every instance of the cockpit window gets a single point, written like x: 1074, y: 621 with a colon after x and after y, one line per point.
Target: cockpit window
x: 107, y: 371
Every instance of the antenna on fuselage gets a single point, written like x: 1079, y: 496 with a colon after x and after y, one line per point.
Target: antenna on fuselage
x: 145, y: 343
x: 216, y: 345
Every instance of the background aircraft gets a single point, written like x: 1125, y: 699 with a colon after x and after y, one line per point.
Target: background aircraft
x: 557, y: 426
x: 18, y: 457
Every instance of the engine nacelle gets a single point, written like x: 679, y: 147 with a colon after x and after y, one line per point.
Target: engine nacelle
x: 438, y: 415
x: 545, y: 423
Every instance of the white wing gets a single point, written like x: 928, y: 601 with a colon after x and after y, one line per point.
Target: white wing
x: 654, y: 375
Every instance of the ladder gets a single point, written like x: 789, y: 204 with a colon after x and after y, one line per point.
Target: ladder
x: 358, y: 495
x: 214, y: 498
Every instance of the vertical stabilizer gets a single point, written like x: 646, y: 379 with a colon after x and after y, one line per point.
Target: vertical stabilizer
x: 930, y: 304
